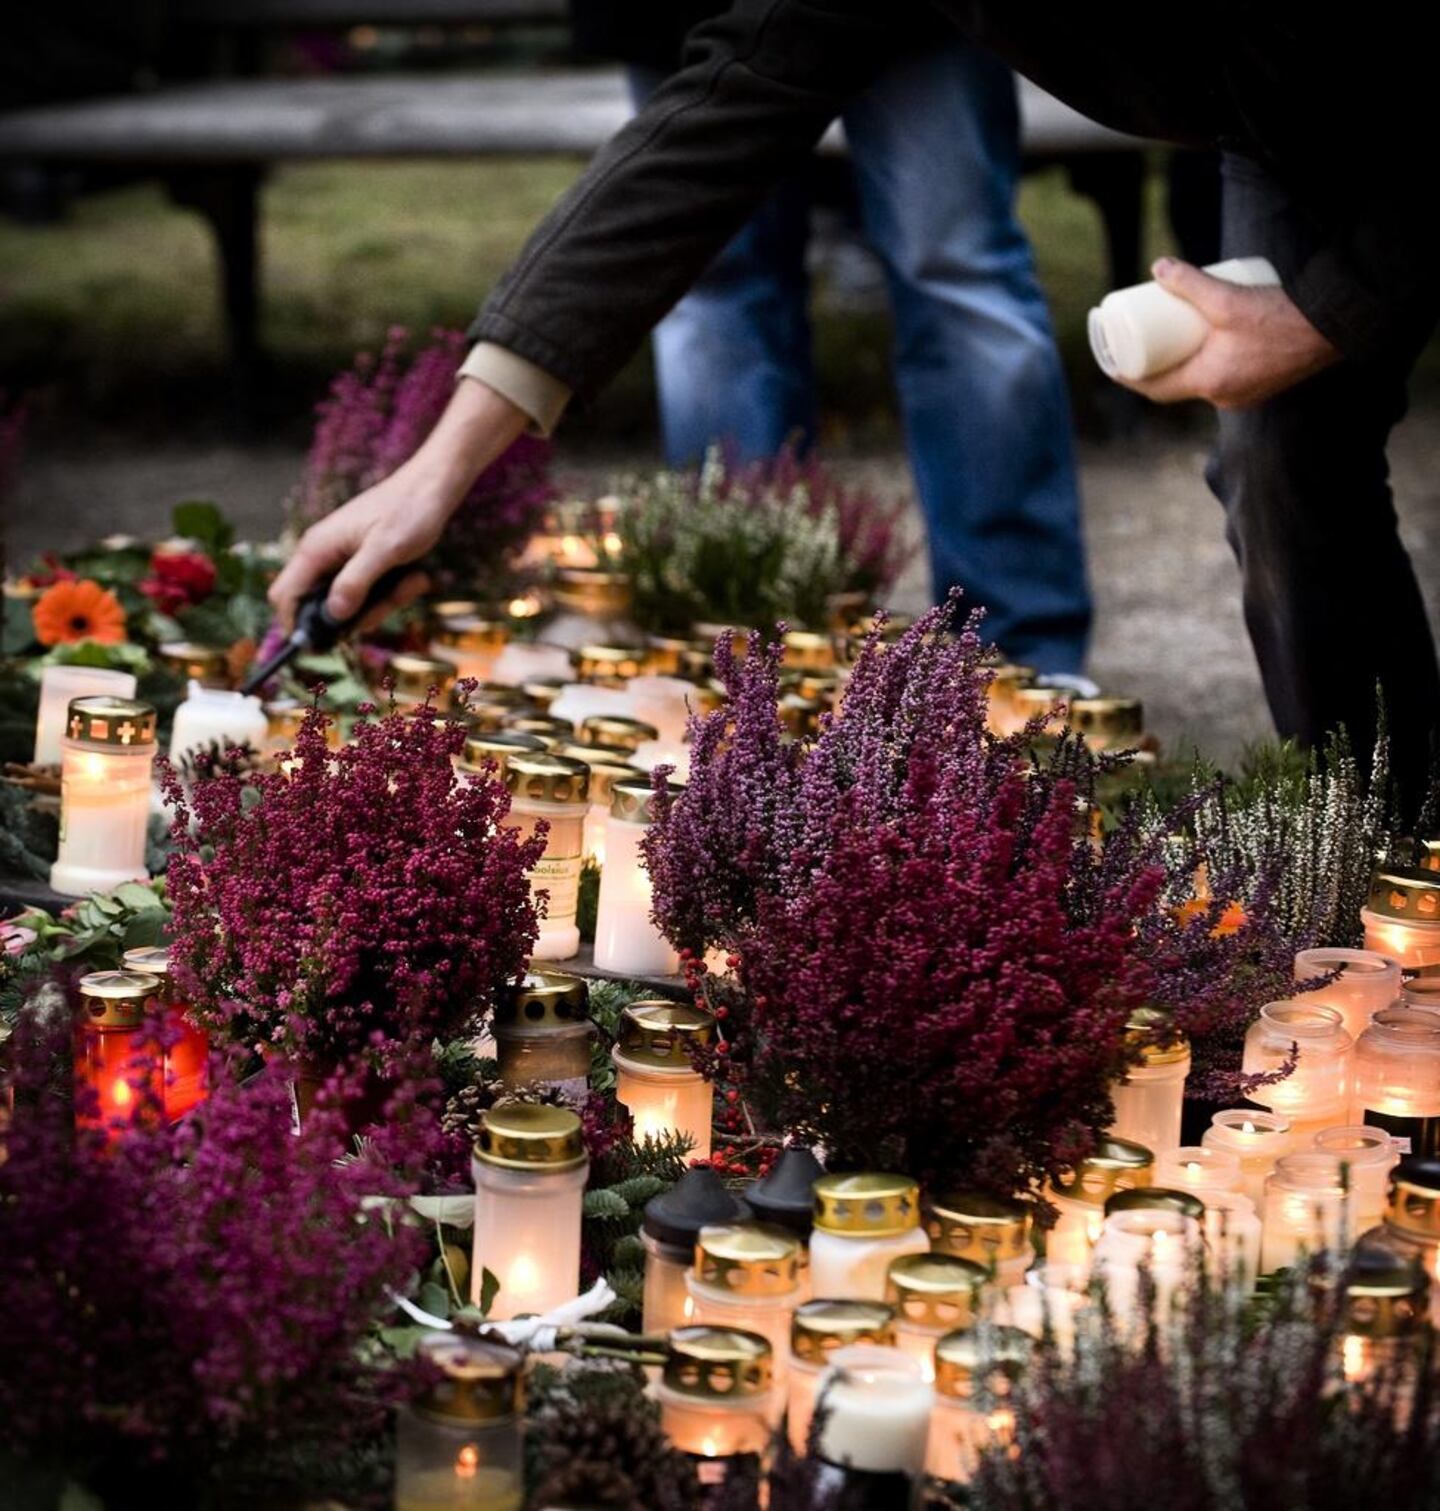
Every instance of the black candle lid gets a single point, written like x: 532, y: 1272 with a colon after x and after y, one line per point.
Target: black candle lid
x: 786, y: 1195
x: 698, y: 1200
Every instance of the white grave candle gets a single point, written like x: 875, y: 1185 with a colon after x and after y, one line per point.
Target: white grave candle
x: 59, y: 685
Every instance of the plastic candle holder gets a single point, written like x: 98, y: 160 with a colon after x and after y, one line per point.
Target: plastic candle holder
x: 470, y: 643
x: 491, y: 706
x: 1397, y: 1078
x: 543, y: 1033
x: 522, y: 664
x: 1232, y: 1238
x: 818, y: 1331
x: 418, y: 680
x: 1150, y: 1100
x: 1384, y: 1315
x: 745, y: 1277
x: 1159, y: 1241
x: 673, y: 1222
x: 933, y: 1294
x: 117, y: 1063
x: 607, y: 666
x: 1079, y: 1197
x: 557, y: 790
x: 530, y: 1170
x: 606, y: 768
x: 488, y: 752
x: 1366, y: 984
x: 187, y: 1057
x: 188, y: 660
x: 106, y: 756
x: 614, y: 732
x: 1052, y: 1296
x: 1315, y: 1094
x: 458, y: 1445
x: 1402, y: 917
x: 988, y: 1230
x: 655, y: 1077
x: 876, y: 1405
x: 59, y: 687
x: 215, y: 716
x: 1412, y: 1220
x: 1199, y: 1167
x: 862, y: 1222
x: 626, y: 940
x: 1257, y: 1139
x: 1370, y: 1155
x: 975, y: 1374
x: 1308, y: 1211
x: 717, y: 1399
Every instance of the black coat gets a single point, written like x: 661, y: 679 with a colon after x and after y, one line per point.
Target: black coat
x: 1336, y: 105
x: 638, y: 31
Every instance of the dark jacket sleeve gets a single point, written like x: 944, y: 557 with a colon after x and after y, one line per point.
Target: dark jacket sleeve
x: 759, y: 87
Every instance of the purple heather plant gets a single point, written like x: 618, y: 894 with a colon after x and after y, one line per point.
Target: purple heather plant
x: 375, y: 417
x: 355, y: 902
x: 195, y: 1295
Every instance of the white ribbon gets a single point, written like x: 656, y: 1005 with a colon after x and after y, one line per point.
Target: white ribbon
x: 538, y: 1334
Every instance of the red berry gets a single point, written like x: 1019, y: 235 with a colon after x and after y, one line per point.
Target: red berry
x: 722, y: 1012
x: 722, y: 1048
x: 732, y: 1096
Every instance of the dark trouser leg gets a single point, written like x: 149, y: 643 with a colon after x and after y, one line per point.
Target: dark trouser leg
x: 1330, y: 595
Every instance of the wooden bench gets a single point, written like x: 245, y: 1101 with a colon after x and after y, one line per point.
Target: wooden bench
x: 211, y: 141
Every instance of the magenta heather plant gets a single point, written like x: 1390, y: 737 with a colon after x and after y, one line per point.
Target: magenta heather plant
x: 375, y: 417
x: 195, y: 1295
x: 353, y: 902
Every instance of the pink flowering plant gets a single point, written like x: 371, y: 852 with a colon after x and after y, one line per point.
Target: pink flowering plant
x: 375, y: 417
x: 352, y: 902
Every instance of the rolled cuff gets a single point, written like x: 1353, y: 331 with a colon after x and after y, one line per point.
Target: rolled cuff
x: 538, y: 393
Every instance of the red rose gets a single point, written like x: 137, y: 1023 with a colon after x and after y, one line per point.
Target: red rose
x: 178, y: 580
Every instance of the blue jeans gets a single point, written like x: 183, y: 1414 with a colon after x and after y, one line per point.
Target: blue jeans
x: 936, y: 152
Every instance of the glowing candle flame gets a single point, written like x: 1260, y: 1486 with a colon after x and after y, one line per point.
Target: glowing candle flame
x: 1248, y: 1127
x: 1355, y: 1358
x: 467, y: 1461
x: 524, y: 1276
x: 1192, y: 1169
x: 121, y: 1094
x: 710, y: 1448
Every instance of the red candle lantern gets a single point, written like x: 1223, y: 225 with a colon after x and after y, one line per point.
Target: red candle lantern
x: 186, y: 1056
x: 113, y: 1057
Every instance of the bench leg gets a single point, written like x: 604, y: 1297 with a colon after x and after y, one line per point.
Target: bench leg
x: 229, y: 199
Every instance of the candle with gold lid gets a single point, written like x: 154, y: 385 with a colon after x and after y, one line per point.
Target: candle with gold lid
x: 1397, y: 1078
x: 594, y: 607
x: 1157, y: 1199
x: 1080, y: 1194
x: 1108, y: 723
x: 1003, y: 713
x: 487, y: 753
x: 608, y: 665
x: 746, y: 1276
x: 656, y: 1079
x: 932, y: 1294
x: 976, y: 1370
x: 805, y: 650
x: 1402, y: 917
x: 189, y: 661
x: 556, y: 790
x: 551, y: 733
x: 818, y: 1331
x: 665, y: 653
x: 1365, y: 984
x: 418, y: 680
x: 124, y: 1077
x: 186, y: 1058
x: 470, y: 643
x: 862, y: 1222
x: 717, y: 1399
x: 543, y: 1033
x: 1150, y: 1100
x: 1384, y: 1311
x: 627, y: 941
x: 615, y: 732
x: 992, y: 1231
x: 1257, y: 1139
x: 607, y: 766
x: 106, y: 757
x: 1315, y: 1094
x: 530, y: 1169
x: 490, y: 710
x: 458, y: 1444
x: 1412, y: 1219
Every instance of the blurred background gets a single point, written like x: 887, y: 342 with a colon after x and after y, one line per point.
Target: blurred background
x: 383, y: 163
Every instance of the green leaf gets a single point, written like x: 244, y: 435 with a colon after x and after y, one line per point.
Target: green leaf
x: 201, y: 521
x: 489, y: 1289
x: 402, y: 1341
x: 17, y: 630
x: 434, y: 1299
x: 136, y: 895
x: 147, y: 929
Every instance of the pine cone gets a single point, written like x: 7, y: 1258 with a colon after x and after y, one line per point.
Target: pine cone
x: 608, y: 1453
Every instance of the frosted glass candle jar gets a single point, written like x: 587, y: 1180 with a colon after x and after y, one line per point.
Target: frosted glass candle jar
x: 458, y: 1445
x: 1367, y: 983
x: 672, y: 1224
x: 876, y: 1406
x: 1079, y: 1197
x: 1199, y: 1167
x: 1315, y: 1095
x: 1150, y: 1100
x: 933, y: 1294
x: 991, y: 1231
x: 1402, y: 917
x: 185, y: 1059
x: 818, y: 1331
x: 1397, y: 1078
x: 862, y: 1222
x: 655, y: 1075
x: 106, y: 757
x: 543, y: 1034
x: 745, y: 1277
x: 115, y: 1059
x: 1048, y: 1302
x: 1257, y: 1139
x: 1232, y: 1238
x: 59, y: 687
x: 717, y: 1399
x: 1165, y: 1243
x: 530, y: 1169
x: 1370, y: 1155
x: 470, y: 643
x: 626, y: 940
x: 1307, y: 1211
x: 215, y: 717
x: 975, y: 1375
x: 556, y: 790
x: 419, y: 680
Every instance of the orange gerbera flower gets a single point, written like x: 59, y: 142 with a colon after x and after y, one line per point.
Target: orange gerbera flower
x: 83, y: 610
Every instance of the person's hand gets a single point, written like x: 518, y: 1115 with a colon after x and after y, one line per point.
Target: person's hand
x: 401, y: 518
x: 1259, y: 343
